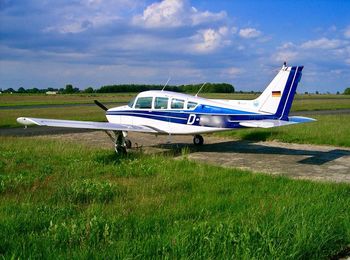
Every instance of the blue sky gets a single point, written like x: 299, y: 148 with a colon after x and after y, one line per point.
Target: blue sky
x: 97, y: 42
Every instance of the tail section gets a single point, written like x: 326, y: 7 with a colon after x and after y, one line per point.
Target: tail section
x: 277, y: 98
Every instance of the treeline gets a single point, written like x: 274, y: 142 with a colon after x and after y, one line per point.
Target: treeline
x: 69, y: 89
x: 208, y: 88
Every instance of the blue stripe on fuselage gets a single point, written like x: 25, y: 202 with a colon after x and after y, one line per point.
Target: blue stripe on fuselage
x: 182, y: 116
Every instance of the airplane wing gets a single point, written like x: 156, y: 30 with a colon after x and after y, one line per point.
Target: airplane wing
x: 268, y: 123
x: 84, y: 125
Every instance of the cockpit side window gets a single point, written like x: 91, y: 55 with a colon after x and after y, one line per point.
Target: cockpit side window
x: 177, y: 103
x: 191, y: 105
x: 131, y: 102
x: 161, y: 103
x: 144, y: 102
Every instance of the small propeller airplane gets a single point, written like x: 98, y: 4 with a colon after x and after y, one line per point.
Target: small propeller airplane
x: 171, y: 113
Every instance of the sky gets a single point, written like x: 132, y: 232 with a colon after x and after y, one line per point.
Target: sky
x: 86, y: 43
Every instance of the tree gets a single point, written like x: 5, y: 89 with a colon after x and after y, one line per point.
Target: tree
x: 21, y: 90
x: 89, y: 90
x: 69, y: 89
x: 347, y: 91
x: 10, y: 90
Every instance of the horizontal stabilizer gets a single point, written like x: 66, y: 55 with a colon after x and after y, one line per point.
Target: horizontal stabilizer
x: 269, y: 123
x: 300, y: 119
x: 84, y: 125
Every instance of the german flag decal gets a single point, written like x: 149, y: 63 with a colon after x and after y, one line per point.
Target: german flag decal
x: 276, y: 93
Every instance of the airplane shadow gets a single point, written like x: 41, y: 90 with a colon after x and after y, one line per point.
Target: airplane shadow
x: 249, y: 147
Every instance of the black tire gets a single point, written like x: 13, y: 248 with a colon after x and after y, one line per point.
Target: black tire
x: 128, y: 143
x: 198, y: 140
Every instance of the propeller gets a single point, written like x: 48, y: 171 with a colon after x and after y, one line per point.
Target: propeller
x: 101, y: 105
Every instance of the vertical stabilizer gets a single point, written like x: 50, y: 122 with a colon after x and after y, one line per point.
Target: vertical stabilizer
x: 277, y: 98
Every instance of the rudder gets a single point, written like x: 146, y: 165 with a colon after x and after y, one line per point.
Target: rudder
x: 277, y: 98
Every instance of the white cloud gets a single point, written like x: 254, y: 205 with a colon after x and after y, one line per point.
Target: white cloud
x: 175, y: 13
x: 76, y: 18
x: 81, y: 24
x: 209, y: 40
x: 322, y: 43
x: 347, y: 32
x: 204, y: 17
x: 223, y: 30
x: 285, y: 55
x: 287, y: 45
x: 167, y: 13
x: 249, y: 33
x: 232, y: 72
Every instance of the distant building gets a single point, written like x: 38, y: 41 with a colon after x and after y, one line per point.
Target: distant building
x: 51, y: 92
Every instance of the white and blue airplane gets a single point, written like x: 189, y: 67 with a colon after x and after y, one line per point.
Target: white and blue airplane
x: 171, y: 113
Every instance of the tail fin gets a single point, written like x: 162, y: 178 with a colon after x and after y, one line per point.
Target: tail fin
x: 277, y: 98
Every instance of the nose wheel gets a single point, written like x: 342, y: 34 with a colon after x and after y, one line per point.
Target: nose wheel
x: 121, y: 143
x: 128, y: 143
x: 198, y: 140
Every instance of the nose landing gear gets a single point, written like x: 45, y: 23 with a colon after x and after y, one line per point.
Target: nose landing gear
x: 121, y: 143
x: 198, y: 140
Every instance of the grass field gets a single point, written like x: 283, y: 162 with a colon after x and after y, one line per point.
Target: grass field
x: 43, y: 99
x: 69, y: 201
x: 91, y: 113
x: 329, y: 129
x: 302, y: 102
x: 335, y: 128
x: 88, y: 113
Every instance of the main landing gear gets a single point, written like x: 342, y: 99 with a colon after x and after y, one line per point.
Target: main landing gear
x: 198, y: 140
x: 121, y: 143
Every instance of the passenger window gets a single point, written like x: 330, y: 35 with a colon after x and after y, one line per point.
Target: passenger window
x: 191, y: 105
x: 161, y: 103
x: 144, y: 102
x: 177, y: 103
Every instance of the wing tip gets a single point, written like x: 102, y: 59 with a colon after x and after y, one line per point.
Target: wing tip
x: 27, y: 121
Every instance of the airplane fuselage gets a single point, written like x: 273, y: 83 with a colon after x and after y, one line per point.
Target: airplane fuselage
x: 176, y: 113
x: 164, y: 112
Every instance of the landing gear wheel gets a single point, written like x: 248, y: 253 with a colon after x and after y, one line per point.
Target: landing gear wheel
x: 198, y: 140
x: 120, y: 150
x: 120, y: 143
x: 128, y: 143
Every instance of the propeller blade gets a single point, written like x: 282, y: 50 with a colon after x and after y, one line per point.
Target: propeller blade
x: 101, y: 105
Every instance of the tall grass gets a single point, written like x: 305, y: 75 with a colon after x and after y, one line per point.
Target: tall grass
x: 81, y: 202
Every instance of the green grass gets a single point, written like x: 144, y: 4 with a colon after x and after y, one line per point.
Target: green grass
x: 308, y: 104
x: 329, y: 129
x: 93, y: 113
x: 59, y: 200
x: 43, y: 99
x: 302, y: 102
x: 88, y: 113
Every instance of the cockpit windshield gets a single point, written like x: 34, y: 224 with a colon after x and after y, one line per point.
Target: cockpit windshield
x: 131, y: 102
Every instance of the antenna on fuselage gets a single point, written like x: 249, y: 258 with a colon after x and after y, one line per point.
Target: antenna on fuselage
x: 200, y: 89
x: 166, y: 83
